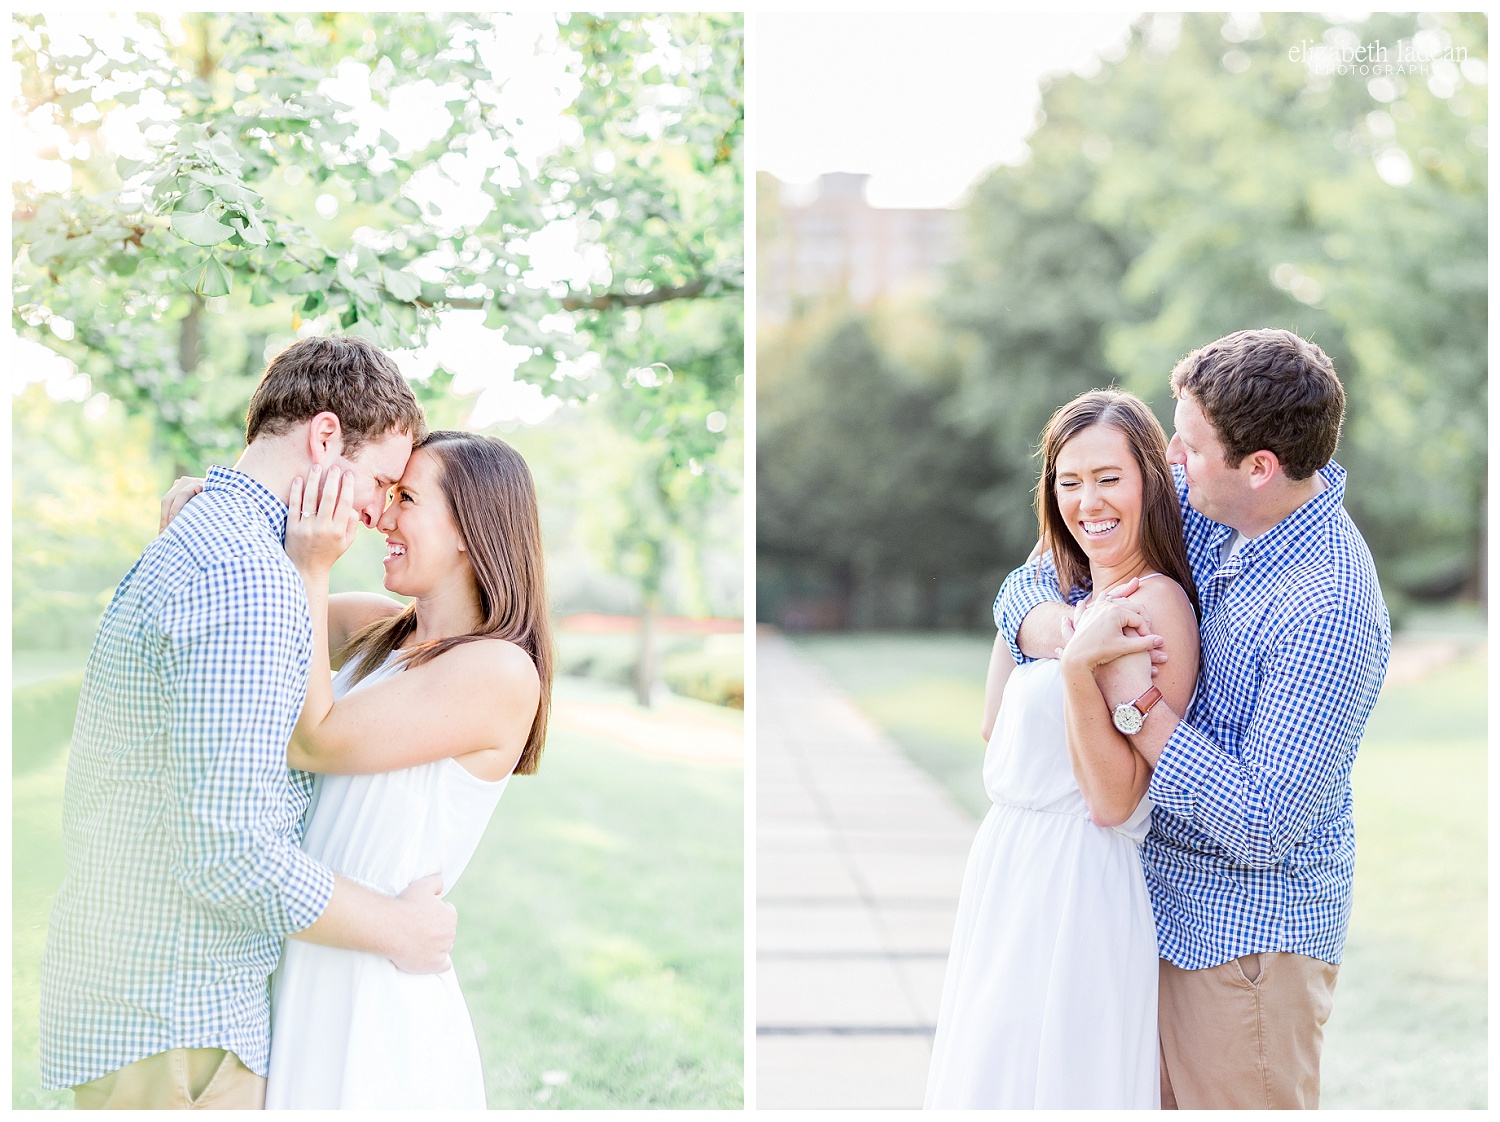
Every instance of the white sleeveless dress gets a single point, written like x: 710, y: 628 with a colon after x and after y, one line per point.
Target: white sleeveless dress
x: 348, y: 1029
x: 1050, y: 995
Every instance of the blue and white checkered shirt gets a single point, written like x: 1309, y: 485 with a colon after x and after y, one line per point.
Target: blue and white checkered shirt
x: 181, y: 822
x: 1252, y: 840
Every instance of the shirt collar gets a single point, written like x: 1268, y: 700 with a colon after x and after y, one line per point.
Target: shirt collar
x: 1311, y: 514
x: 259, y: 496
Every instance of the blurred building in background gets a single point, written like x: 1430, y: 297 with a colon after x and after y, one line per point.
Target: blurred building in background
x: 825, y: 238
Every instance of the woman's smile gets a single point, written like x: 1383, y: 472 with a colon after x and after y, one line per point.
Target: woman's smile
x: 1099, y: 528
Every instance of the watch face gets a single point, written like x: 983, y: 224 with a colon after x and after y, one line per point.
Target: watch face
x: 1128, y: 719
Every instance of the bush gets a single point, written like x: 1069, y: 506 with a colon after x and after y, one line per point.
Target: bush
x: 715, y: 672
x: 42, y: 721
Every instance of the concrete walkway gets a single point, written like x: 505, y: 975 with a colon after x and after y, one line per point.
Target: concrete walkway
x: 860, y: 857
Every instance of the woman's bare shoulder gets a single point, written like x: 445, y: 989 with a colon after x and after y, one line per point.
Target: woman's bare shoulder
x: 1161, y: 591
x: 1168, y: 607
x: 498, y: 661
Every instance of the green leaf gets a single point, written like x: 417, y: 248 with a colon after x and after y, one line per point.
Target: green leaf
x: 405, y: 206
x: 307, y: 282
x: 357, y: 287
x: 216, y: 279
x: 496, y: 317
x: 227, y: 187
x: 259, y: 297
x: 196, y: 198
x: 225, y: 153
x: 200, y: 228
x: 251, y: 232
x: 127, y: 168
x: 349, y: 316
x: 209, y: 278
x: 124, y: 264
x: 403, y: 286
x: 365, y: 260
x: 45, y: 248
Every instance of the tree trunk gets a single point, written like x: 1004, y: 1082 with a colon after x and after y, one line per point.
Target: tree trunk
x: 189, y: 354
x: 645, y: 658
x: 1477, y: 585
x: 190, y: 338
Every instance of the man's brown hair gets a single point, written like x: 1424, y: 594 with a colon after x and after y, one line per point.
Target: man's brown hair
x: 1269, y: 389
x: 344, y: 375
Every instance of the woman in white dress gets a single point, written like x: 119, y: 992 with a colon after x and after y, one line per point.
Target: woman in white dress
x: 1050, y: 995
x: 435, y: 705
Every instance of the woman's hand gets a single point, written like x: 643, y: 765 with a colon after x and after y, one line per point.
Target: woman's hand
x: 320, y: 521
x: 175, y: 499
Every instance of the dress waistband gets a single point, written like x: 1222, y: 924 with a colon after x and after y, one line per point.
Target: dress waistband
x: 1043, y: 810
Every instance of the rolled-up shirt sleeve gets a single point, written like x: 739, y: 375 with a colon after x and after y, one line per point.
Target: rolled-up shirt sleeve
x: 1033, y: 583
x: 236, y: 642
x: 1320, y: 683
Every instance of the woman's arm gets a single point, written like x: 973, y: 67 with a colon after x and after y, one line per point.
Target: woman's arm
x: 475, y: 702
x: 1001, y: 664
x: 319, y: 528
x: 1111, y: 774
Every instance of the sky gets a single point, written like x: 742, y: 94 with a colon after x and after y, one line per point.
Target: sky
x: 922, y: 102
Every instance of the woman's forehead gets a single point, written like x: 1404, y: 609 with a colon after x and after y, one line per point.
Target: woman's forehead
x: 421, y: 469
x: 1097, y: 445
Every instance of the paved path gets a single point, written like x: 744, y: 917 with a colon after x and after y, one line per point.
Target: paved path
x: 860, y: 857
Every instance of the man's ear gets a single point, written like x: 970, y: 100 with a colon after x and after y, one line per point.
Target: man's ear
x: 1264, y: 466
x: 325, y: 436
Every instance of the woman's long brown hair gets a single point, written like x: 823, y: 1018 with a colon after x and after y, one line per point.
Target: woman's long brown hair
x: 1162, y: 543
x: 491, y: 497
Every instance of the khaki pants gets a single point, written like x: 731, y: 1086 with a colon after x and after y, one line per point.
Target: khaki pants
x: 181, y: 1079
x: 1246, y: 1034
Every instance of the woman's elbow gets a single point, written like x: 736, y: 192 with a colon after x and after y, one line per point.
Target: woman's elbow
x: 1108, y: 813
x: 300, y: 755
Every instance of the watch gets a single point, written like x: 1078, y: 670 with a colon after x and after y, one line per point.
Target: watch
x: 1129, y: 716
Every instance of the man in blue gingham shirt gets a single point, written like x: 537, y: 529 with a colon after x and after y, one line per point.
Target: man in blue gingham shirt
x: 1250, y: 859
x: 181, y: 821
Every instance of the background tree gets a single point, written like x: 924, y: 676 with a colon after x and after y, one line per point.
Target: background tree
x: 1204, y: 181
x: 232, y: 180
x: 863, y: 488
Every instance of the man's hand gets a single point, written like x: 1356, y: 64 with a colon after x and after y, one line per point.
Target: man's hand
x: 430, y: 924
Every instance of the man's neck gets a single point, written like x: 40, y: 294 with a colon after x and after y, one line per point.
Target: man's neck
x: 1281, y: 505
x: 268, y: 464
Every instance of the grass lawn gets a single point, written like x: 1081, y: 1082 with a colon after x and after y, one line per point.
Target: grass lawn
x: 600, y: 939
x: 1409, y: 1025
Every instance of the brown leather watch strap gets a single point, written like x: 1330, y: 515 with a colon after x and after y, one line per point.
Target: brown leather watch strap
x: 1147, y: 700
